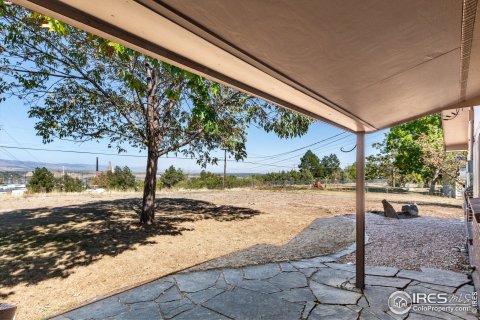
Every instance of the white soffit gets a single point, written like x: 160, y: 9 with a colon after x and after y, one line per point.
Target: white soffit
x: 455, y: 129
x: 360, y: 65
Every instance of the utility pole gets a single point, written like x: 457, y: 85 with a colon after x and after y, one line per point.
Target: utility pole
x: 225, y: 169
x: 96, y: 169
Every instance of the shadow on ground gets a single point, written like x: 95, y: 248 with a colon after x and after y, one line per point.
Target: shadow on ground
x: 322, y: 236
x: 43, y: 243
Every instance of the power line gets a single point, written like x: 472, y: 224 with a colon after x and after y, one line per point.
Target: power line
x: 122, y: 155
x: 18, y: 144
x: 260, y: 164
x: 314, y: 149
x: 298, y: 149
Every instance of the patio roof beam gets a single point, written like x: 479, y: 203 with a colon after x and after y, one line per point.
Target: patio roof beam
x: 360, y: 212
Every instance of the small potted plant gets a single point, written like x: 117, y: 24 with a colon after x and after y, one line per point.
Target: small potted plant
x: 7, y: 311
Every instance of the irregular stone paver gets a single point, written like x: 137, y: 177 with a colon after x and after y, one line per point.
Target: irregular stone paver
x: 196, y: 281
x: 369, y: 270
x: 289, y: 280
x: 232, y: 276
x: 435, y: 276
x: 363, y: 302
x: 171, y: 294
x: 463, y: 315
x: 467, y: 288
x: 331, y: 295
x: 354, y: 307
x: 172, y: 308
x: 416, y: 316
x: 285, y: 266
x: 311, y: 263
x: 199, y: 313
x: 308, y: 308
x: 245, y: 304
x: 437, y: 287
x: 307, y: 289
x: 366, y: 314
x: 377, y: 298
x: 332, y: 312
x: 149, y: 292
x: 332, y: 277
x: 204, y: 295
x: 308, y: 271
x: 295, y: 295
x: 386, y: 281
x: 105, y: 308
x: 259, y: 285
x: 221, y: 283
x: 142, y: 310
x: 263, y: 271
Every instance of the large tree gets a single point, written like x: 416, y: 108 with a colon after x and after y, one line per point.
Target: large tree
x: 402, y: 147
x: 87, y: 88
x: 331, y: 166
x: 442, y: 164
x: 415, y: 151
x: 310, y: 162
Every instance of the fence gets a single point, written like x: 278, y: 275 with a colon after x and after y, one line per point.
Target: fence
x: 380, y: 186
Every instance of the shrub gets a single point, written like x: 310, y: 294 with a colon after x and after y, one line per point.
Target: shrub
x: 304, y: 176
x: 120, y: 179
x: 69, y: 184
x: 210, y: 180
x: 171, y: 177
x: 42, y: 181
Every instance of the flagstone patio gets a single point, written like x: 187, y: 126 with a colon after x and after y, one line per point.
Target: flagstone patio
x: 316, y: 288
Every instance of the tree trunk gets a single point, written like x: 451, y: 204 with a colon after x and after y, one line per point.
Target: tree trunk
x: 433, y: 182
x: 154, y: 139
x: 149, y: 189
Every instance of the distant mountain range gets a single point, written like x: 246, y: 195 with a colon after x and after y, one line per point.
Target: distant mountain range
x: 25, y: 166
x: 15, y: 165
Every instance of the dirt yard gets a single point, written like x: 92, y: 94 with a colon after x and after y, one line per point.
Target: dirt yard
x: 58, y: 251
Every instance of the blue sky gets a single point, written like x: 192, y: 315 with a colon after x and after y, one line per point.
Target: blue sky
x: 17, y: 131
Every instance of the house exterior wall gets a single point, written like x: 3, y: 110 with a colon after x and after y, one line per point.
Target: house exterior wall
x: 475, y: 152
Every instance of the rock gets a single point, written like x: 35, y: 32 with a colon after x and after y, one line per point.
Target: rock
x: 410, y: 209
x: 388, y: 210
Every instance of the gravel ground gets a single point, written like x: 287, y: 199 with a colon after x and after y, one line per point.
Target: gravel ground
x: 414, y: 243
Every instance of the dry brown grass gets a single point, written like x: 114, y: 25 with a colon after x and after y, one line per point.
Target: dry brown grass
x: 57, y: 251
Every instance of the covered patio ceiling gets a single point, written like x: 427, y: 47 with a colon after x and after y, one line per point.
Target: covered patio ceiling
x: 359, y: 65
